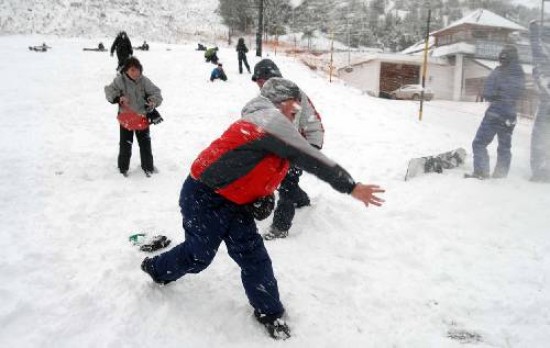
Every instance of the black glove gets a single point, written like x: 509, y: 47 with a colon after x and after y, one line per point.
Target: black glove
x: 158, y: 242
x: 154, y: 117
x: 262, y: 208
x: 294, y: 172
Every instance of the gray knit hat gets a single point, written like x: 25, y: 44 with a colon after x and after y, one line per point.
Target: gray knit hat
x: 278, y: 89
x: 265, y: 69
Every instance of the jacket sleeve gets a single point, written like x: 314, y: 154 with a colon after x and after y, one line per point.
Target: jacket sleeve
x: 115, y: 43
x: 512, y: 90
x: 114, y: 91
x: 490, y: 89
x: 541, y: 60
x: 152, y: 91
x: 310, y: 123
x: 285, y: 141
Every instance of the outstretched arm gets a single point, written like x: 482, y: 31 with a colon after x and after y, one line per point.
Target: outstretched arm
x: 366, y: 194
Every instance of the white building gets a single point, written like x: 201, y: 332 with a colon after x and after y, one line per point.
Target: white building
x: 460, y: 58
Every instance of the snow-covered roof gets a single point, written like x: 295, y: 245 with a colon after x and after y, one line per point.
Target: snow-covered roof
x: 485, y: 18
x: 419, y: 46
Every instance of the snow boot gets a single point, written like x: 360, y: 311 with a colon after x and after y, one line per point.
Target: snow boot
x: 276, y: 328
x: 147, y: 267
x: 274, y: 232
x: 476, y: 176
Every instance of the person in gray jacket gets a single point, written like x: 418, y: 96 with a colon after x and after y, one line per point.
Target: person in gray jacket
x: 540, y: 136
x: 308, y: 122
x: 132, y: 90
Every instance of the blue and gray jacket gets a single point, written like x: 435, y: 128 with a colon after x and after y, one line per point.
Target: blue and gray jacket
x: 503, y: 89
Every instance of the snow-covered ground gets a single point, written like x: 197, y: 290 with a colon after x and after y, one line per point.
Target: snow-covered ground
x: 446, y: 262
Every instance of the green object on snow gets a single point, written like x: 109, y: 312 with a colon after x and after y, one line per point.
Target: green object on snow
x: 137, y: 238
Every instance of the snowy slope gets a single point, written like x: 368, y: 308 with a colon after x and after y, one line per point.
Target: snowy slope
x: 161, y: 20
x: 444, y: 257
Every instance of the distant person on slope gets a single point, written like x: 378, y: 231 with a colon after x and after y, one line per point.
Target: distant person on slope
x: 242, y: 50
x: 540, y: 136
x: 503, y: 89
x: 218, y: 73
x: 132, y: 90
x: 231, y: 183
x: 211, y: 55
x: 308, y: 122
x: 123, y: 48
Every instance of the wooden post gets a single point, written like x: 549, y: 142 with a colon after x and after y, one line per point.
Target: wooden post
x: 424, y: 67
x: 331, y: 53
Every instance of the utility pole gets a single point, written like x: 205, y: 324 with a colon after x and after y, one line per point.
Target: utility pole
x: 260, y: 28
x: 542, y: 13
x: 424, y: 67
x: 331, y: 53
x: 349, y: 41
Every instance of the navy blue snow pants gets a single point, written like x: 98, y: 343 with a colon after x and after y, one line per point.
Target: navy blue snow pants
x: 540, y: 144
x: 492, y: 125
x: 290, y: 197
x: 209, y: 219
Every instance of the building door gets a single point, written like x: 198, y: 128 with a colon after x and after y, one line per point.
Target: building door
x: 393, y: 76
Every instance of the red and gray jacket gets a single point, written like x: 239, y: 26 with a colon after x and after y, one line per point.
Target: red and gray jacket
x: 251, y: 158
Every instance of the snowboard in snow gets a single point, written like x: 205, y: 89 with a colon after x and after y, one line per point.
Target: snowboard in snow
x: 132, y: 120
x: 435, y: 164
x: 94, y: 50
x: 39, y: 48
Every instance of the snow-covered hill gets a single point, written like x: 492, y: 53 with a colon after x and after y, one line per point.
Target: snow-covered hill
x: 159, y: 20
x: 446, y: 262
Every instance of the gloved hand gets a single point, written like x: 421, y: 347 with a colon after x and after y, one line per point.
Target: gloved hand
x: 262, y: 208
x: 294, y: 172
x: 123, y: 101
x: 150, y: 105
x: 154, y: 117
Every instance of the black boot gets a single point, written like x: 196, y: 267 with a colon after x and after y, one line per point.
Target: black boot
x: 276, y: 327
x: 147, y: 267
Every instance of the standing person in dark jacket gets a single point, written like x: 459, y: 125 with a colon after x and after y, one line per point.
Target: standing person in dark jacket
x: 540, y: 136
x: 132, y: 90
x: 503, y: 89
x: 230, y: 184
x: 123, y: 48
x: 242, y: 50
x: 308, y: 122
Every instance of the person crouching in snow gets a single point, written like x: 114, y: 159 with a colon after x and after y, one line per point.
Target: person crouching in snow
x: 232, y: 182
x: 218, y: 73
x: 308, y: 122
x: 132, y: 90
x: 211, y: 55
